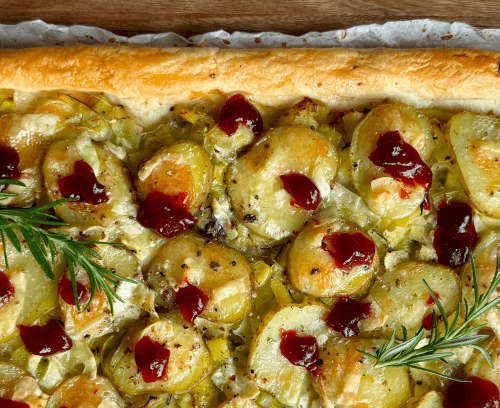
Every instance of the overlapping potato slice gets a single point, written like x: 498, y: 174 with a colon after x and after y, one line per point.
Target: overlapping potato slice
x: 400, y: 298
x: 380, y: 190
x: 16, y: 384
x: 290, y: 384
x: 189, y: 362
x: 350, y: 379
x: 311, y: 269
x: 109, y: 171
x: 84, y: 391
x: 256, y: 190
x: 431, y: 399
x: 221, y: 273
x: 477, y: 366
x: 182, y: 167
x: 474, y: 140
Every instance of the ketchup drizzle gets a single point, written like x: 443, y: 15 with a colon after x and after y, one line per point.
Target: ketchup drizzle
x: 7, y: 290
x: 9, y: 165
x: 191, y: 300
x: 349, y: 250
x: 346, y: 315
x: 479, y: 393
x: 456, y: 235
x: 166, y: 214
x: 401, y: 160
x: 151, y: 359
x: 238, y: 111
x: 304, y: 192
x: 301, y: 351
x: 83, y: 185
x: 66, y: 292
x: 8, y: 403
x: 45, y: 340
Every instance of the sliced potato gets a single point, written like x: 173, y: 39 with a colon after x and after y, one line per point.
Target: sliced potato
x: 109, y: 171
x: 474, y: 140
x: 431, y: 399
x: 84, y: 391
x: 350, y: 379
x: 273, y: 372
x: 307, y: 112
x: 182, y: 167
x: 220, y: 272
x: 10, y: 311
x: 256, y: 190
x: 240, y: 403
x: 189, y: 362
x: 477, y: 366
x: 399, y: 297
x: 381, y: 192
x: 312, y: 270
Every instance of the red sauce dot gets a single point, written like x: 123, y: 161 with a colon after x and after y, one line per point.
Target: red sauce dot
x: 401, y: 160
x: 192, y: 301
x: 66, y: 292
x: 430, y: 300
x: 404, y: 194
x: 428, y: 321
x: 83, y: 185
x: 7, y: 291
x: 9, y: 165
x: 349, y: 250
x: 304, y: 192
x: 346, y: 315
x: 301, y: 351
x: 456, y: 235
x: 45, y: 340
x: 166, y: 214
x: 8, y: 403
x: 426, y: 205
x: 238, y: 111
x: 479, y: 393
x: 151, y: 359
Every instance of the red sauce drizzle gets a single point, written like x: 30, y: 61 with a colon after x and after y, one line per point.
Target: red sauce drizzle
x: 8, y: 403
x: 456, y: 235
x: 426, y: 205
x: 401, y: 160
x: 192, y: 301
x: 301, y: 351
x: 166, y: 214
x: 479, y: 393
x: 346, y: 315
x: 238, y: 111
x: 7, y: 290
x: 404, y: 194
x: 83, y: 185
x: 430, y: 300
x: 151, y: 359
x: 304, y: 192
x: 428, y: 321
x: 66, y: 292
x: 45, y: 340
x: 9, y: 162
x: 349, y: 250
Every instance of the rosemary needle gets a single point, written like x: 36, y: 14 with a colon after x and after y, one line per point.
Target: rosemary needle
x: 408, y: 353
x: 44, y: 245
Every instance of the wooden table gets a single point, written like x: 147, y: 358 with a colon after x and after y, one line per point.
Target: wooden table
x: 128, y: 17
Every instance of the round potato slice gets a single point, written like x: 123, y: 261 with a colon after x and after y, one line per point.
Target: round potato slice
x: 348, y: 378
x: 269, y: 368
x: 381, y: 192
x: 189, y: 360
x: 84, y: 391
x: 312, y: 269
x: 221, y: 273
x: 258, y: 196
x: 400, y: 298
x: 477, y: 366
x: 182, y: 167
x: 109, y: 171
x: 18, y: 385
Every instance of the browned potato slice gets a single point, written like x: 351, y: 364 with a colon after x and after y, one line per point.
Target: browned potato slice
x: 350, y: 379
x: 11, y: 310
x: 221, y: 273
x: 256, y: 190
x: 311, y: 269
x: 86, y: 391
x: 381, y: 192
x: 477, y: 366
x: 18, y: 385
x: 431, y: 399
x: 182, y: 167
x: 399, y: 297
x: 474, y: 140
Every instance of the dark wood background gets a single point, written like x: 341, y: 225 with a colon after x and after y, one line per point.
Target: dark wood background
x: 127, y: 17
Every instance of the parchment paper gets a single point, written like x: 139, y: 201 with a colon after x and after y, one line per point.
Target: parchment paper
x: 399, y: 34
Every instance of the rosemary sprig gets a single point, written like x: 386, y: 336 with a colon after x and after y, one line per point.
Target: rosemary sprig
x: 407, y: 352
x: 44, y: 246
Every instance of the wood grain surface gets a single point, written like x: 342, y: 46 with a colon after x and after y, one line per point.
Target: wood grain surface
x: 190, y: 17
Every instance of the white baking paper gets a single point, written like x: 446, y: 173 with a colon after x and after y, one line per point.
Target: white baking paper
x: 397, y: 34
